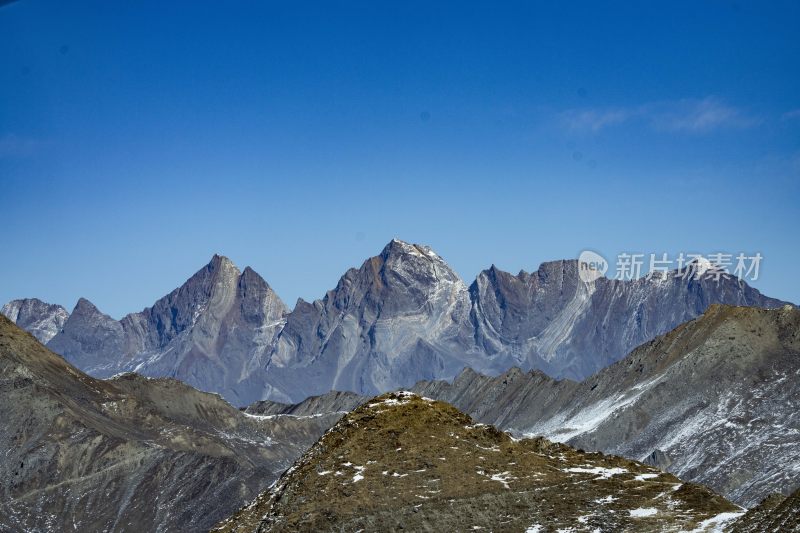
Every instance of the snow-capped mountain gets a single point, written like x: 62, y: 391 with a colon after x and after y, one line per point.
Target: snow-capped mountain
x: 40, y: 319
x: 403, y: 316
x: 715, y: 401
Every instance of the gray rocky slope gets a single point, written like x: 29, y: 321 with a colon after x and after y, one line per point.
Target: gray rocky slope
x: 212, y: 333
x: 128, y: 454
x: 715, y: 401
x: 403, y: 316
x: 41, y: 319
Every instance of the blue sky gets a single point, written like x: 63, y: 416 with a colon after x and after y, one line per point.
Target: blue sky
x: 138, y: 139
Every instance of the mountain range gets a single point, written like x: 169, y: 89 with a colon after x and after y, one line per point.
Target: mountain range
x: 402, y: 317
x: 715, y: 400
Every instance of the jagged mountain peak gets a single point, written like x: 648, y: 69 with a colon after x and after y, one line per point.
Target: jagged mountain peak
x: 219, y: 259
x: 412, y: 262
x: 251, y: 278
x: 562, y: 268
x: 222, y: 265
x: 399, y: 247
x: 13, y: 307
x: 413, y: 259
x: 85, y: 306
x: 248, y: 271
x: 212, y: 332
x: 400, y: 317
x: 401, y: 272
x: 558, y: 264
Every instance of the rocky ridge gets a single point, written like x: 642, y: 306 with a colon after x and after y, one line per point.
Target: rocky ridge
x: 403, y: 462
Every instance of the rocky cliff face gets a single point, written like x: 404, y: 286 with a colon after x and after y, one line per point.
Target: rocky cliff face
x: 714, y: 401
x: 41, y: 319
x: 553, y: 321
x: 402, y: 462
x: 213, y: 332
x: 129, y: 454
x: 403, y: 316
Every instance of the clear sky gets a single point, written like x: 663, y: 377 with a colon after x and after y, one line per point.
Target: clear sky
x: 139, y: 138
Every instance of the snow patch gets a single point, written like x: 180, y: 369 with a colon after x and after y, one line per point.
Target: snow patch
x: 718, y: 523
x: 601, y: 472
x: 643, y: 512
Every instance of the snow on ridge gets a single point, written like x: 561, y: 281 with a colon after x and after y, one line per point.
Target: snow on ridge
x: 565, y: 426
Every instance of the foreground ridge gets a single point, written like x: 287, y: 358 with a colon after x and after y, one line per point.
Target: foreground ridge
x: 130, y: 453
x: 402, y: 461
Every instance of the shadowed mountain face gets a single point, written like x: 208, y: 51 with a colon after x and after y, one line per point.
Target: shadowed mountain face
x: 41, y: 319
x: 402, y: 462
x: 403, y: 316
x: 715, y: 401
x: 128, y: 454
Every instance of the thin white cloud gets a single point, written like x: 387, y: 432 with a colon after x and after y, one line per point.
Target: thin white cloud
x: 697, y: 115
x: 594, y: 119
x: 687, y: 115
